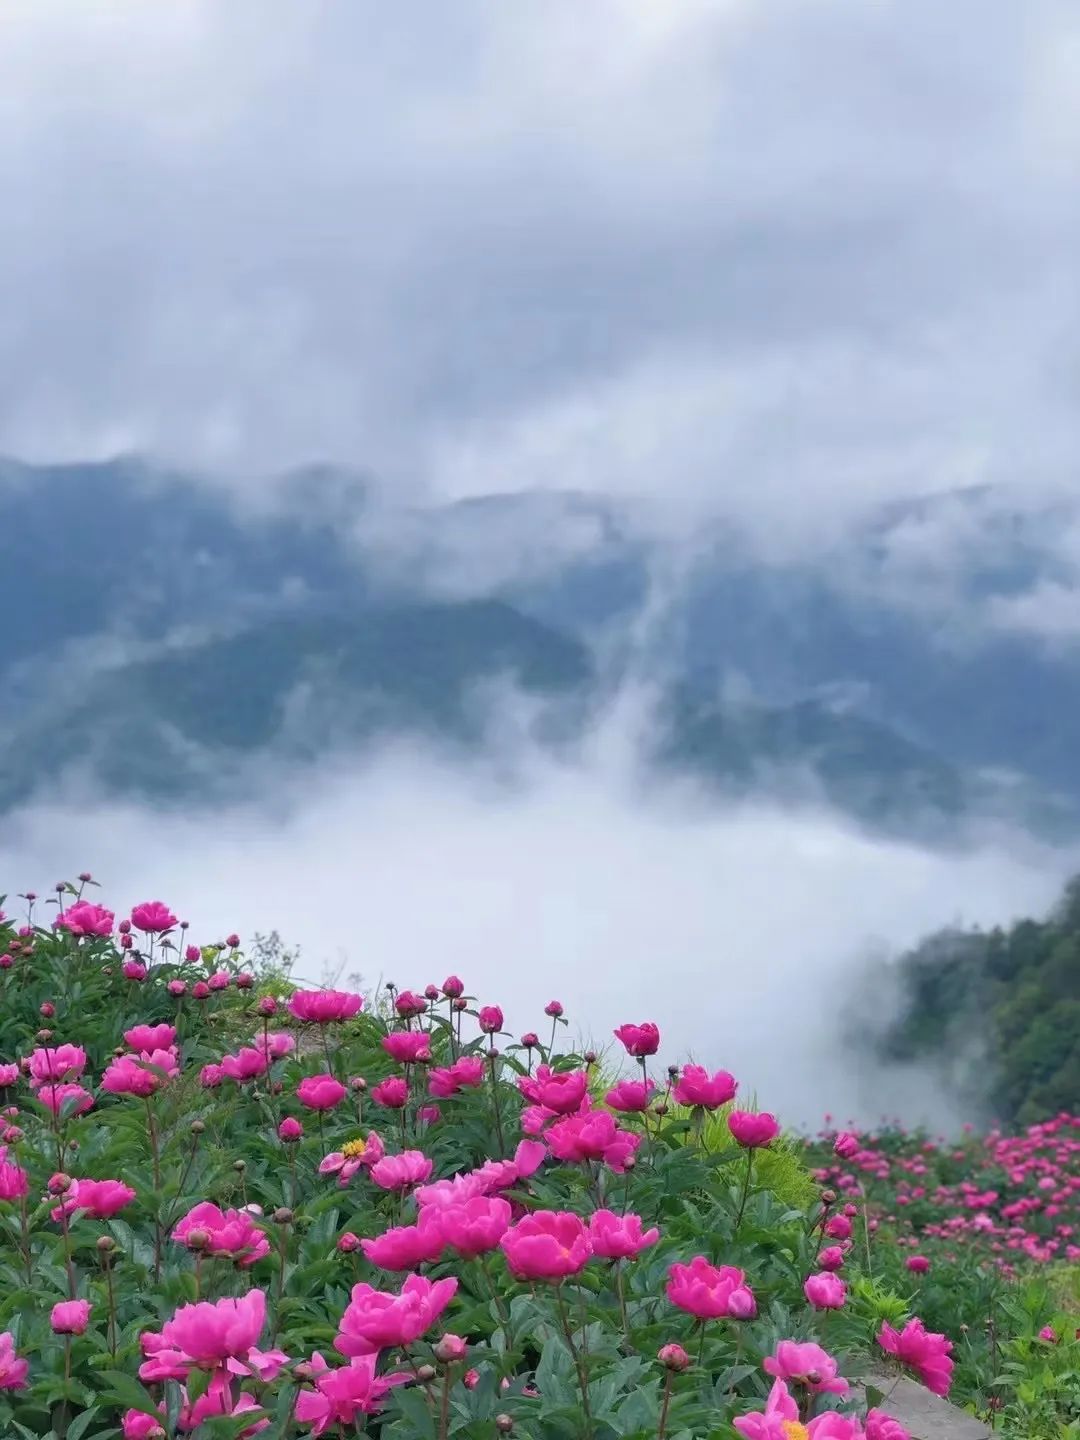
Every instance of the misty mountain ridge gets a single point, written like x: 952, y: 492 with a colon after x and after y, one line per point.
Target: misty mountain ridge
x: 166, y: 631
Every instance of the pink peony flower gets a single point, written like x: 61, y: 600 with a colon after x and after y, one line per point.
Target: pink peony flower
x: 474, y: 1226
x: 407, y: 1246
x: 341, y: 1395
x: 465, y: 1073
x: 13, y: 1370
x: 837, y: 1227
x: 374, y: 1320
x: 9, y: 1075
x: 407, y: 1004
x: 711, y: 1292
x: 246, y: 1064
x: 231, y: 1234
x: 85, y: 918
x: 630, y: 1095
x: 393, y: 1093
x: 357, y: 1155
x: 805, y: 1364
x: 619, y: 1237
x: 216, y: 1400
x: 561, y: 1093
x: 452, y: 987
x: 100, y: 1199
x: 696, y: 1086
x: 753, y: 1131
x: 846, y: 1145
x: 152, y: 917
x: 151, y: 1037
x: 639, y: 1040
x: 547, y: 1245
x: 56, y: 1062
x: 320, y: 1092
x: 220, y: 980
x: 504, y: 1174
x: 176, y: 987
x: 70, y: 1098
x: 407, y: 1046
x: 136, y: 970
x: 14, y: 1181
x: 491, y: 1019
x: 128, y: 1076
x: 880, y: 1426
x: 926, y: 1352
x: 323, y: 1007
x: 917, y: 1264
x: 399, y: 1172
x: 290, y: 1130
x: 211, y: 1076
x: 277, y: 1044
x: 70, y: 1317
x: 825, y: 1291
x: 592, y: 1136
x: 137, y: 1425
x: 831, y: 1258
x: 209, y: 1334
x: 778, y: 1420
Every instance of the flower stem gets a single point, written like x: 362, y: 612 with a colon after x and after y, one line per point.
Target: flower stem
x: 106, y: 1261
x: 661, y: 1429
x: 622, y: 1300
x: 444, y: 1406
x: 67, y: 1253
x: 155, y: 1154
x: 583, y: 1379
x: 25, y: 1224
x: 495, y: 1103
x: 745, y: 1189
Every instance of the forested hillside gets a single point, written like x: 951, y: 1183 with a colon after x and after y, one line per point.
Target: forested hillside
x: 998, y: 1012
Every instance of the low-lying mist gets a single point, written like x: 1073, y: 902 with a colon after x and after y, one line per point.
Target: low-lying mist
x: 737, y: 927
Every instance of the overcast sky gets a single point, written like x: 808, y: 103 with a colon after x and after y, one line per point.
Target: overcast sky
x: 775, y: 260
x: 711, y: 251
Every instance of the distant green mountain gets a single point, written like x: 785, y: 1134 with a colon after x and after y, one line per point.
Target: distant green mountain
x: 173, y: 724
x: 156, y: 634
x: 996, y: 1014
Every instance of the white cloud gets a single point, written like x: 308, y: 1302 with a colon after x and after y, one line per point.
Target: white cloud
x: 778, y: 262
x: 738, y: 929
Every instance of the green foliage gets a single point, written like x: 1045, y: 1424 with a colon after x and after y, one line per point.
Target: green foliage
x: 781, y: 1168
x: 577, y: 1361
x: 998, y: 1012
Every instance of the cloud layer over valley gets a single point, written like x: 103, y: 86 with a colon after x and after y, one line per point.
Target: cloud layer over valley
x: 740, y: 928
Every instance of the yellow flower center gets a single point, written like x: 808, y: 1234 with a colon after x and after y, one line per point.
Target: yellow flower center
x: 794, y: 1431
x: 353, y: 1149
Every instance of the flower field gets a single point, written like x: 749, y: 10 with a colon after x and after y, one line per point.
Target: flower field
x: 230, y: 1207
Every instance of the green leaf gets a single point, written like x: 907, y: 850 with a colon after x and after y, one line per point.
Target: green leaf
x: 81, y: 1424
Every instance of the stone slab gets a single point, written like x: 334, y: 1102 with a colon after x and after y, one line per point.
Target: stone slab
x: 924, y: 1414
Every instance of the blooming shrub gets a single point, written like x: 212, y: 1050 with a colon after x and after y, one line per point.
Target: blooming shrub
x: 982, y: 1235
x: 222, y: 1215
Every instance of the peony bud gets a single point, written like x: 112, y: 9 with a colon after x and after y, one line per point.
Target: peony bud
x: 450, y: 1348
x: 673, y: 1357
